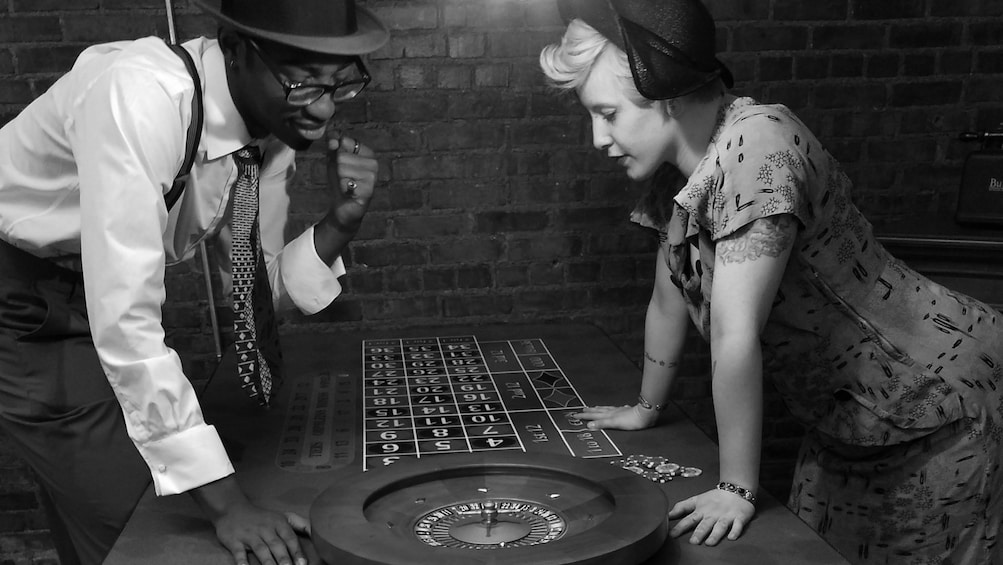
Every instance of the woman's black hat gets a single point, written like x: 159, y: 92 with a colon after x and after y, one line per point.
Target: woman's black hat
x: 670, y: 43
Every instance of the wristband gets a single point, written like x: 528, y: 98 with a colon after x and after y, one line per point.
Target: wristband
x: 733, y: 488
x: 649, y: 406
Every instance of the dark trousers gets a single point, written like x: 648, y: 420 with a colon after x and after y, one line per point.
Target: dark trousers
x: 59, y: 410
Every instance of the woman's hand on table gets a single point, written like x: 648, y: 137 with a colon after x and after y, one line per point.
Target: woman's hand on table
x: 713, y: 516
x: 626, y: 417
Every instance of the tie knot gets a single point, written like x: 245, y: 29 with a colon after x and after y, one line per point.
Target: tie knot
x: 249, y: 154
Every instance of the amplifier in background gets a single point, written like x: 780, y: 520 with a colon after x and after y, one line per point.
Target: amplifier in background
x: 980, y: 200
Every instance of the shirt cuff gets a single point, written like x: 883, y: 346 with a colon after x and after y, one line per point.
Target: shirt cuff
x: 309, y: 281
x: 186, y: 460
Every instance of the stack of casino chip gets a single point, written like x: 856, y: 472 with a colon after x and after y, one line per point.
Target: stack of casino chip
x: 655, y: 468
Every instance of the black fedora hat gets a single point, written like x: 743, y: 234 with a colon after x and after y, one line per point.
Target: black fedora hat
x: 670, y: 44
x: 336, y: 27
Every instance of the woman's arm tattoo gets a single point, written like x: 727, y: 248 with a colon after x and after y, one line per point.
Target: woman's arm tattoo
x: 659, y: 362
x: 769, y: 236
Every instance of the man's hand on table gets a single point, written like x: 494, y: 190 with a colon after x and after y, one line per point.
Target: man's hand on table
x: 245, y: 529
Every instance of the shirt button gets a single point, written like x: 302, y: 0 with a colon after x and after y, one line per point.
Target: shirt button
x: 162, y: 468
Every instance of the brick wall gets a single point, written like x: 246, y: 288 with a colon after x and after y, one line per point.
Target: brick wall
x: 493, y: 207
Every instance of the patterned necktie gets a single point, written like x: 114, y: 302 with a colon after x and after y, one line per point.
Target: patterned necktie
x: 255, y: 330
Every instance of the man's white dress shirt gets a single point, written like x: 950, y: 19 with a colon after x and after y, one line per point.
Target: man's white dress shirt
x: 84, y: 170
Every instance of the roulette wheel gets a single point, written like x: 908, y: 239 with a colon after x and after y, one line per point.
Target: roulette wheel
x: 495, y: 508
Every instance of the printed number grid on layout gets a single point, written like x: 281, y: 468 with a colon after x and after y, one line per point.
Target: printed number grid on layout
x: 434, y: 395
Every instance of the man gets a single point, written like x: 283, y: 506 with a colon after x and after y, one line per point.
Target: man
x: 89, y: 392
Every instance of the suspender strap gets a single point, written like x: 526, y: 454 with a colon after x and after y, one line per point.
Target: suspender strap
x: 194, y: 129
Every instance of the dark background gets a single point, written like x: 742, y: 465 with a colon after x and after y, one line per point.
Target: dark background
x: 493, y: 206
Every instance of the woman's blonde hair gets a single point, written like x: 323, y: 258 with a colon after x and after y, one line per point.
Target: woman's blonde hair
x: 567, y: 65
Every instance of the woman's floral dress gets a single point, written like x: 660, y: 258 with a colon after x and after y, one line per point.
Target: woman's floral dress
x: 897, y: 379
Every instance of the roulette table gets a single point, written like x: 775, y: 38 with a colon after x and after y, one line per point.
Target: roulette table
x: 458, y: 445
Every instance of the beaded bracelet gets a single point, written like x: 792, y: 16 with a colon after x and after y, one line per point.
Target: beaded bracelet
x: 744, y: 493
x: 649, y: 406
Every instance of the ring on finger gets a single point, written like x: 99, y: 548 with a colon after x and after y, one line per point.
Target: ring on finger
x: 351, y: 185
x: 355, y: 149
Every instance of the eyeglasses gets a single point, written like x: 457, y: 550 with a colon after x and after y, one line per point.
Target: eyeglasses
x: 304, y: 94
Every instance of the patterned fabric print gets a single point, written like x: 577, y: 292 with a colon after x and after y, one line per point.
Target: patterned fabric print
x: 868, y: 354
x: 933, y: 493
x: 252, y: 370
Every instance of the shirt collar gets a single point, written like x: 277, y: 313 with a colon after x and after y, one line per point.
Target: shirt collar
x: 225, y: 130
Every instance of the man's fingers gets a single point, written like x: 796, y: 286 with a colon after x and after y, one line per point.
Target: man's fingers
x: 335, y: 140
x: 357, y: 165
x: 280, y: 550
x: 263, y: 551
x: 349, y: 145
x: 355, y: 172
x: 298, y: 523
x: 361, y: 149
x: 239, y: 555
x: 292, y: 543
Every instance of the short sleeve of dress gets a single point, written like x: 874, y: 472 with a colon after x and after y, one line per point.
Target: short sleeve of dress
x: 757, y: 167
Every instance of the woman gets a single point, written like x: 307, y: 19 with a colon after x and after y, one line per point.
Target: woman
x: 897, y: 379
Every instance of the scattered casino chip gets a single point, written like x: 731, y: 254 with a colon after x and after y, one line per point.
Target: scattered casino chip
x: 655, y: 468
x: 668, y: 468
x: 652, y: 475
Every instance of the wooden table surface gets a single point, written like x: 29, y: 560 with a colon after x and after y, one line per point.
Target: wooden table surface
x: 172, y: 530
